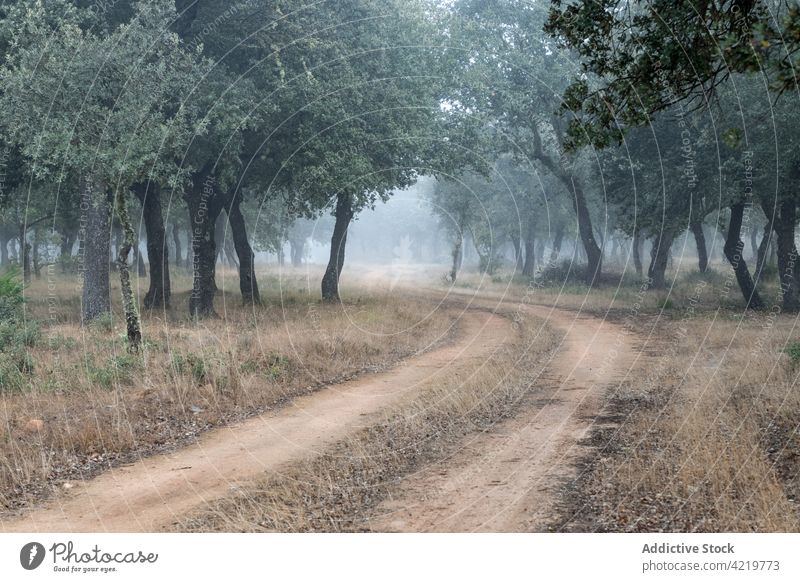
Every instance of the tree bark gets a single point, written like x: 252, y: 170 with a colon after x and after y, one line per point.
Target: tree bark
x: 518, y: 258
x: 176, y: 240
x: 67, y: 242
x: 659, y: 256
x: 160, y: 290
x: 330, y: 281
x: 25, y: 251
x: 594, y: 256
x: 530, y: 254
x: 557, y: 240
x: 638, y: 241
x: 766, y: 241
x: 787, y: 253
x: 458, y: 250
x: 700, y: 242
x: 4, y: 250
x: 205, y: 205
x: 96, y: 244
x: 132, y: 324
x: 248, y: 284
x: 733, y: 252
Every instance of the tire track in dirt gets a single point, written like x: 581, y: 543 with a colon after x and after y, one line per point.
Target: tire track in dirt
x: 149, y: 495
x: 506, y: 479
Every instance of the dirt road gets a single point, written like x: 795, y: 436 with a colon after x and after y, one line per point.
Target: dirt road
x: 151, y: 494
x: 501, y: 480
x: 506, y: 479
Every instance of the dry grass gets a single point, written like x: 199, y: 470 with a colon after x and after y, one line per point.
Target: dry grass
x: 101, y: 405
x: 336, y: 490
x: 707, y: 438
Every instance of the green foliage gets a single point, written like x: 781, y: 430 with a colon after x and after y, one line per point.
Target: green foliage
x: 16, y: 335
x: 792, y: 350
x: 194, y: 365
x: 11, y: 294
x: 118, y: 369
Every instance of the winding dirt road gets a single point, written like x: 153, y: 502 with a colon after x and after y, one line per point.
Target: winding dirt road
x: 501, y: 480
x: 506, y: 480
x: 152, y: 493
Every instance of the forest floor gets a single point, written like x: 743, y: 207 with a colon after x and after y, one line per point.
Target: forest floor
x: 488, y: 406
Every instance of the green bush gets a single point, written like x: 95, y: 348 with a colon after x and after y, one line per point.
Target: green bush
x: 11, y: 297
x: 191, y: 364
x: 16, y: 335
x: 792, y: 350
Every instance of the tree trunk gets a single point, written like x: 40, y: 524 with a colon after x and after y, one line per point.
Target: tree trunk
x: 133, y: 327
x: 637, y: 251
x: 518, y: 259
x: 96, y: 244
x: 557, y: 240
x: 176, y: 240
x: 67, y: 242
x: 733, y: 252
x: 594, y: 256
x: 787, y: 253
x: 25, y: 252
x: 458, y: 251
x: 4, y: 251
x: 248, y: 284
x: 766, y: 241
x: 700, y: 242
x: 297, y: 248
x: 160, y: 290
x: 205, y: 205
x: 530, y: 254
x: 37, y: 269
x: 330, y: 281
x: 137, y: 256
x: 659, y: 256
x: 540, y: 251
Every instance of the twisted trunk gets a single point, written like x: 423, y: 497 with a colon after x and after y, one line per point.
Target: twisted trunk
x: 248, y: 285
x: 659, y: 257
x: 733, y: 252
x: 594, y: 256
x: 330, y: 281
x: 766, y: 241
x: 700, y: 242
